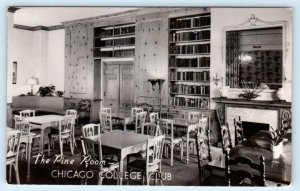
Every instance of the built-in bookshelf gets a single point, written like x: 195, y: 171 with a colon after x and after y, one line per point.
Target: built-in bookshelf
x: 116, y: 41
x: 189, y: 61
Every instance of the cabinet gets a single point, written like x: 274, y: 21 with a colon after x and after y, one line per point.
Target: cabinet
x: 117, y: 41
x: 189, y: 61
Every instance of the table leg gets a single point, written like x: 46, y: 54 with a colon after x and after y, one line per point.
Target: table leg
x: 187, y: 147
x: 28, y: 160
x: 42, y: 141
x: 121, y: 170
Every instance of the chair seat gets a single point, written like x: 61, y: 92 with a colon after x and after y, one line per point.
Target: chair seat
x: 141, y: 154
x: 140, y: 165
x: 175, y: 140
x: 191, y: 139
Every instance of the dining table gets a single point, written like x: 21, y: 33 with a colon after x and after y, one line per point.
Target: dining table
x: 27, y: 139
x: 122, y: 143
x: 42, y: 122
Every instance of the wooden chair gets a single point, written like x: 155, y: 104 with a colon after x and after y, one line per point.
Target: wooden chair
x: 140, y: 118
x: 153, y: 117
x: 136, y: 110
x: 238, y: 129
x: 203, y: 146
x: 151, y: 129
x: 91, y: 130
x: 152, y: 163
x: 27, y: 113
x: 73, y: 113
x: 167, y: 128
x: 105, y: 165
x: 194, y: 116
x: 226, y: 139
x: 12, y: 152
x: 64, y: 132
x: 244, y: 176
x: 105, y: 122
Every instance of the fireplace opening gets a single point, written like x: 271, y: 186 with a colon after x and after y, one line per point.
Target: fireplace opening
x: 250, y: 128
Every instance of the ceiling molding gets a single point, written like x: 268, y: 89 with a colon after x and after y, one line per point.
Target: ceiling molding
x: 36, y: 28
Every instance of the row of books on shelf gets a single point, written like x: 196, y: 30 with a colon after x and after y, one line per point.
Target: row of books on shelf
x: 190, y: 22
x: 188, y: 36
x: 202, y: 103
x: 100, y: 32
x: 189, y: 89
x: 116, y: 53
x: 190, y: 49
x: 189, y: 76
x: 190, y: 62
x: 115, y: 42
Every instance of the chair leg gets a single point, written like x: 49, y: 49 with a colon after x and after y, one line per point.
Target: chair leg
x: 61, y: 146
x: 100, y: 180
x: 71, y: 146
x: 9, y: 174
x: 172, y: 153
x: 17, y: 173
x: 181, y: 151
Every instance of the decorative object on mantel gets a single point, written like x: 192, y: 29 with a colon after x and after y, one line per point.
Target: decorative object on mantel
x: 280, y: 94
x: 217, y: 80
x: 32, y: 81
x: 59, y: 93
x: 251, y: 90
x: 46, y: 91
x: 224, y: 91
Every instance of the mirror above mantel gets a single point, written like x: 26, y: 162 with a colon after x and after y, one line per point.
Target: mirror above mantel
x: 254, y: 52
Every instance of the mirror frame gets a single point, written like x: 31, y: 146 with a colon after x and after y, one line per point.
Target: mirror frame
x: 255, y: 23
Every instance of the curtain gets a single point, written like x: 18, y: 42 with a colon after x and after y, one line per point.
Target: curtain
x: 232, y: 59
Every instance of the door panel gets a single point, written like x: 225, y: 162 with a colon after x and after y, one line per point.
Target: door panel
x: 111, y: 88
x: 126, y: 90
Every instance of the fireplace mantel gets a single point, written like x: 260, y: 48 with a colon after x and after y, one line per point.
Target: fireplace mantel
x: 274, y: 113
x: 254, y: 103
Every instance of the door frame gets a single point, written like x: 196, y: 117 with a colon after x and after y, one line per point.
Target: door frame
x: 119, y: 61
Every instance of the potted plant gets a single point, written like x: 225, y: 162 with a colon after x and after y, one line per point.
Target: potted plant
x: 279, y: 138
x: 46, y: 91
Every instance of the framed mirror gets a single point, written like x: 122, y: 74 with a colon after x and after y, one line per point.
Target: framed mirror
x: 255, y: 54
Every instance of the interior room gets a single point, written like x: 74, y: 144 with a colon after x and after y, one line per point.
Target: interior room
x: 167, y: 96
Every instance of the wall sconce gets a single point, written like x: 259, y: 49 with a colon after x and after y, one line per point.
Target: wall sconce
x: 217, y: 80
x: 32, y: 81
x: 154, y: 81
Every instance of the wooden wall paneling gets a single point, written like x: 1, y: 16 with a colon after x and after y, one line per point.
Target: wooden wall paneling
x: 67, y: 62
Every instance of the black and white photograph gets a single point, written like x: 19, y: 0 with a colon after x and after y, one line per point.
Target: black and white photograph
x: 164, y: 96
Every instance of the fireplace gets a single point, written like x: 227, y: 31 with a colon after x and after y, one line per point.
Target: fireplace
x: 250, y: 128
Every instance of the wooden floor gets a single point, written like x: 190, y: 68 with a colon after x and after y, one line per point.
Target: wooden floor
x: 180, y: 174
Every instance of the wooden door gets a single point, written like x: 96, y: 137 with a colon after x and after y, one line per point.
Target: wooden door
x: 111, y: 93
x: 118, y: 85
x: 126, y: 90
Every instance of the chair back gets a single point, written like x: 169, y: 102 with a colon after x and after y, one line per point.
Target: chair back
x: 135, y: 110
x: 66, y: 125
x: 238, y: 128
x: 27, y: 113
x: 17, y: 119
x: 166, y: 127
x: 153, y: 117
x: 155, y: 156
x: 13, y: 145
x: 106, y: 110
x: 151, y: 129
x: 91, y: 130
x: 105, y: 121
x: 140, y: 118
x: 226, y: 139
x: 71, y: 112
x: 194, y: 116
x: 244, y: 176
x: 24, y: 127
x: 89, y: 150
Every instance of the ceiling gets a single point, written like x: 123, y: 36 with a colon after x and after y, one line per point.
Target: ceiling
x: 51, y: 16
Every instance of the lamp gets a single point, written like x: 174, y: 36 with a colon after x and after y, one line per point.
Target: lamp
x: 32, y: 81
